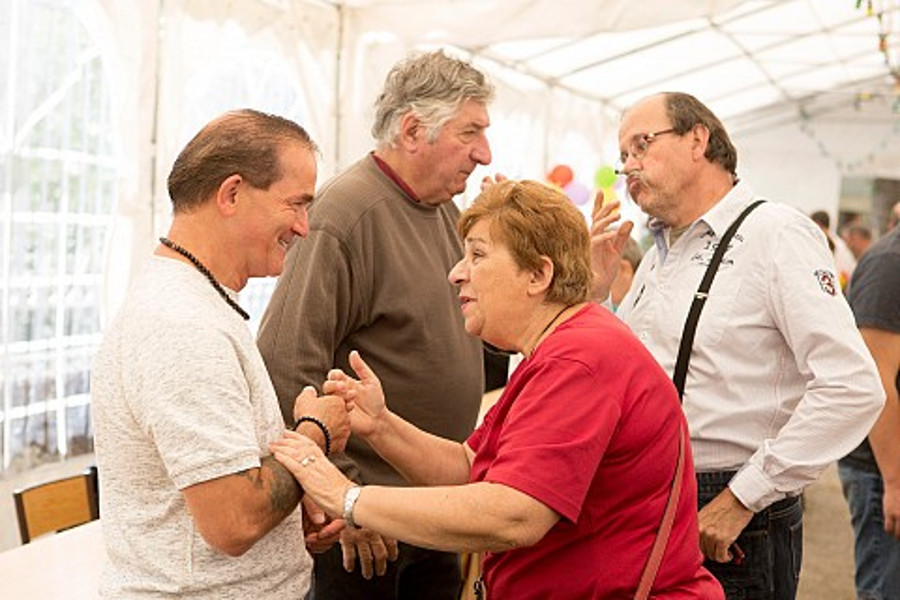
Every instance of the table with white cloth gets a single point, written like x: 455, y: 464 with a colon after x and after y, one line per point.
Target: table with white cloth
x: 62, y: 565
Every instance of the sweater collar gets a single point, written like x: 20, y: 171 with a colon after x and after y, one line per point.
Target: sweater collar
x: 393, y: 176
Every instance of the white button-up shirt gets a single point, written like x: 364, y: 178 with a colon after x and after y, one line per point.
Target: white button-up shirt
x: 780, y: 383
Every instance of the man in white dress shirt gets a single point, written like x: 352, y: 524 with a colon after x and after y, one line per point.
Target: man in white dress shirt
x: 780, y: 383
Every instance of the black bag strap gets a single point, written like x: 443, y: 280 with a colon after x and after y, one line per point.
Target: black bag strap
x: 702, y: 293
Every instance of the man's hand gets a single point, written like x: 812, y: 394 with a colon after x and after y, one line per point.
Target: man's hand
x: 487, y: 181
x: 364, y: 397
x: 320, y: 532
x: 331, y: 410
x: 371, y: 549
x: 891, y: 503
x: 721, y: 522
x: 607, y: 245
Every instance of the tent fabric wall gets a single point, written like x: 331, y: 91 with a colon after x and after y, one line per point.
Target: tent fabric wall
x: 178, y: 63
x: 126, y: 34
x: 172, y: 63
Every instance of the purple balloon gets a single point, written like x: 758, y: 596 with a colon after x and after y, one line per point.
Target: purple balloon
x: 577, y: 192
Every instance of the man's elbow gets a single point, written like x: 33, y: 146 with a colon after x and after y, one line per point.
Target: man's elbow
x: 878, y: 398
x: 234, y: 548
x: 234, y: 540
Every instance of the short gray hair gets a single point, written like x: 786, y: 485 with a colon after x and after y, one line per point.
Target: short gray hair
x: 432, y: 86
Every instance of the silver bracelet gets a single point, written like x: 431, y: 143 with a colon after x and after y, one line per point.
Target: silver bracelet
x: 350, y: 498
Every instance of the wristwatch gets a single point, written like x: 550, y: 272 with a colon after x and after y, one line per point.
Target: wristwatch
x: 350, y: 498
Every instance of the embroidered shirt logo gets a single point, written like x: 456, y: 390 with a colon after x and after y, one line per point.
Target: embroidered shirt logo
x: 826, y: 281
x: 704, y: 256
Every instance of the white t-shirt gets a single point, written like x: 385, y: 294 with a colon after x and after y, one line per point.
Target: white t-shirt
x: 180, y: 396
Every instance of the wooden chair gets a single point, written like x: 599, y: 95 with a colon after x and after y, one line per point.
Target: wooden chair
x: 57, y: 505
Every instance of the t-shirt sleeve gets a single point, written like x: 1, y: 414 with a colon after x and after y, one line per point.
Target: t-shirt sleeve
x: 873, y: 292
x: 555, y: 436
x: 199, y: 412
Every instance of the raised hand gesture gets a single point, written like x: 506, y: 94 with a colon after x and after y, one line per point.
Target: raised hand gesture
x: 607, y: 245
x: 363, y: 397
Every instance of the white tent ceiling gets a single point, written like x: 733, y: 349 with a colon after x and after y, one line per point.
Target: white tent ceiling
x: 752, y: 61
x: 807, y: 88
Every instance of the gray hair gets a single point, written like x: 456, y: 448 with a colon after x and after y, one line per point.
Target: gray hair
x: 432, y: 86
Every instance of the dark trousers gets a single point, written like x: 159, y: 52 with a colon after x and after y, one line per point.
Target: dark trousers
x: 772, y: 544
x: 417, y: 573
x: 877, y: 552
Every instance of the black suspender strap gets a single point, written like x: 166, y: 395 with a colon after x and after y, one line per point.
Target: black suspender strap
x: 690, y: 324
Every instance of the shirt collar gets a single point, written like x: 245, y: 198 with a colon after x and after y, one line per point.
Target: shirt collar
x: 725, y: 211
x: 721, y: 215
x: 393, y: 176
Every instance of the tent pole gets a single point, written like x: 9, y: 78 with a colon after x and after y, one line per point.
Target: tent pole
x: 338, y: 99
x: 154, y: 127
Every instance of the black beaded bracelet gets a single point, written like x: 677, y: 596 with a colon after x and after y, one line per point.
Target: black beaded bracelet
x: 320, y: 425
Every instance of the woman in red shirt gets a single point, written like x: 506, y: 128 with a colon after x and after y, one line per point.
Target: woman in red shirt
x: 564, y: 484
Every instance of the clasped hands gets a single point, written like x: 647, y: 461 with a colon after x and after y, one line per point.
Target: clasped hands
x: 361, y: 403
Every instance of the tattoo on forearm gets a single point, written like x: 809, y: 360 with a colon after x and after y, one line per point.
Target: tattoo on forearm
x: 254, y: 476
x: 284, y: 492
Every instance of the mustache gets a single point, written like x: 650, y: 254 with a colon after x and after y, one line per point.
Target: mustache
x: 635, y: 176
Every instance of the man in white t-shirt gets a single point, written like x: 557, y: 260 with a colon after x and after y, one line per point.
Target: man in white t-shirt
x: 193, y: 504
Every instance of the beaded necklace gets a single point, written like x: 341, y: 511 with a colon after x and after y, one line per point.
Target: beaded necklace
x: 202, y: 268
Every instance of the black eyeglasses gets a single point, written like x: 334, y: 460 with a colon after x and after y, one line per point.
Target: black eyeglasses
x: 639, y: 146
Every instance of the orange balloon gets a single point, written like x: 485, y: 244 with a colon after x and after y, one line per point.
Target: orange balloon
x: 560, y: 175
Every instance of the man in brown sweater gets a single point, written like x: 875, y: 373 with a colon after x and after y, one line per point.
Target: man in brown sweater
x: 372, y: 276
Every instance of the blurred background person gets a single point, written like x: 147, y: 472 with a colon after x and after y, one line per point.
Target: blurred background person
x: 844, y: 259
x: 631, y: 260
x: 894, y: 217
x: 870, y: 475
x: 858, y: 239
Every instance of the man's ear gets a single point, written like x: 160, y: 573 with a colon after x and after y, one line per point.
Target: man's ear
x: 540, y: 279
x: 700, y: 141
x: 412, y: 133
x: 227, y: 194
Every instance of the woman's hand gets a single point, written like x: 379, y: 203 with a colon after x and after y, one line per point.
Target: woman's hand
x: 364, y: 397
x: 321, y: 480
